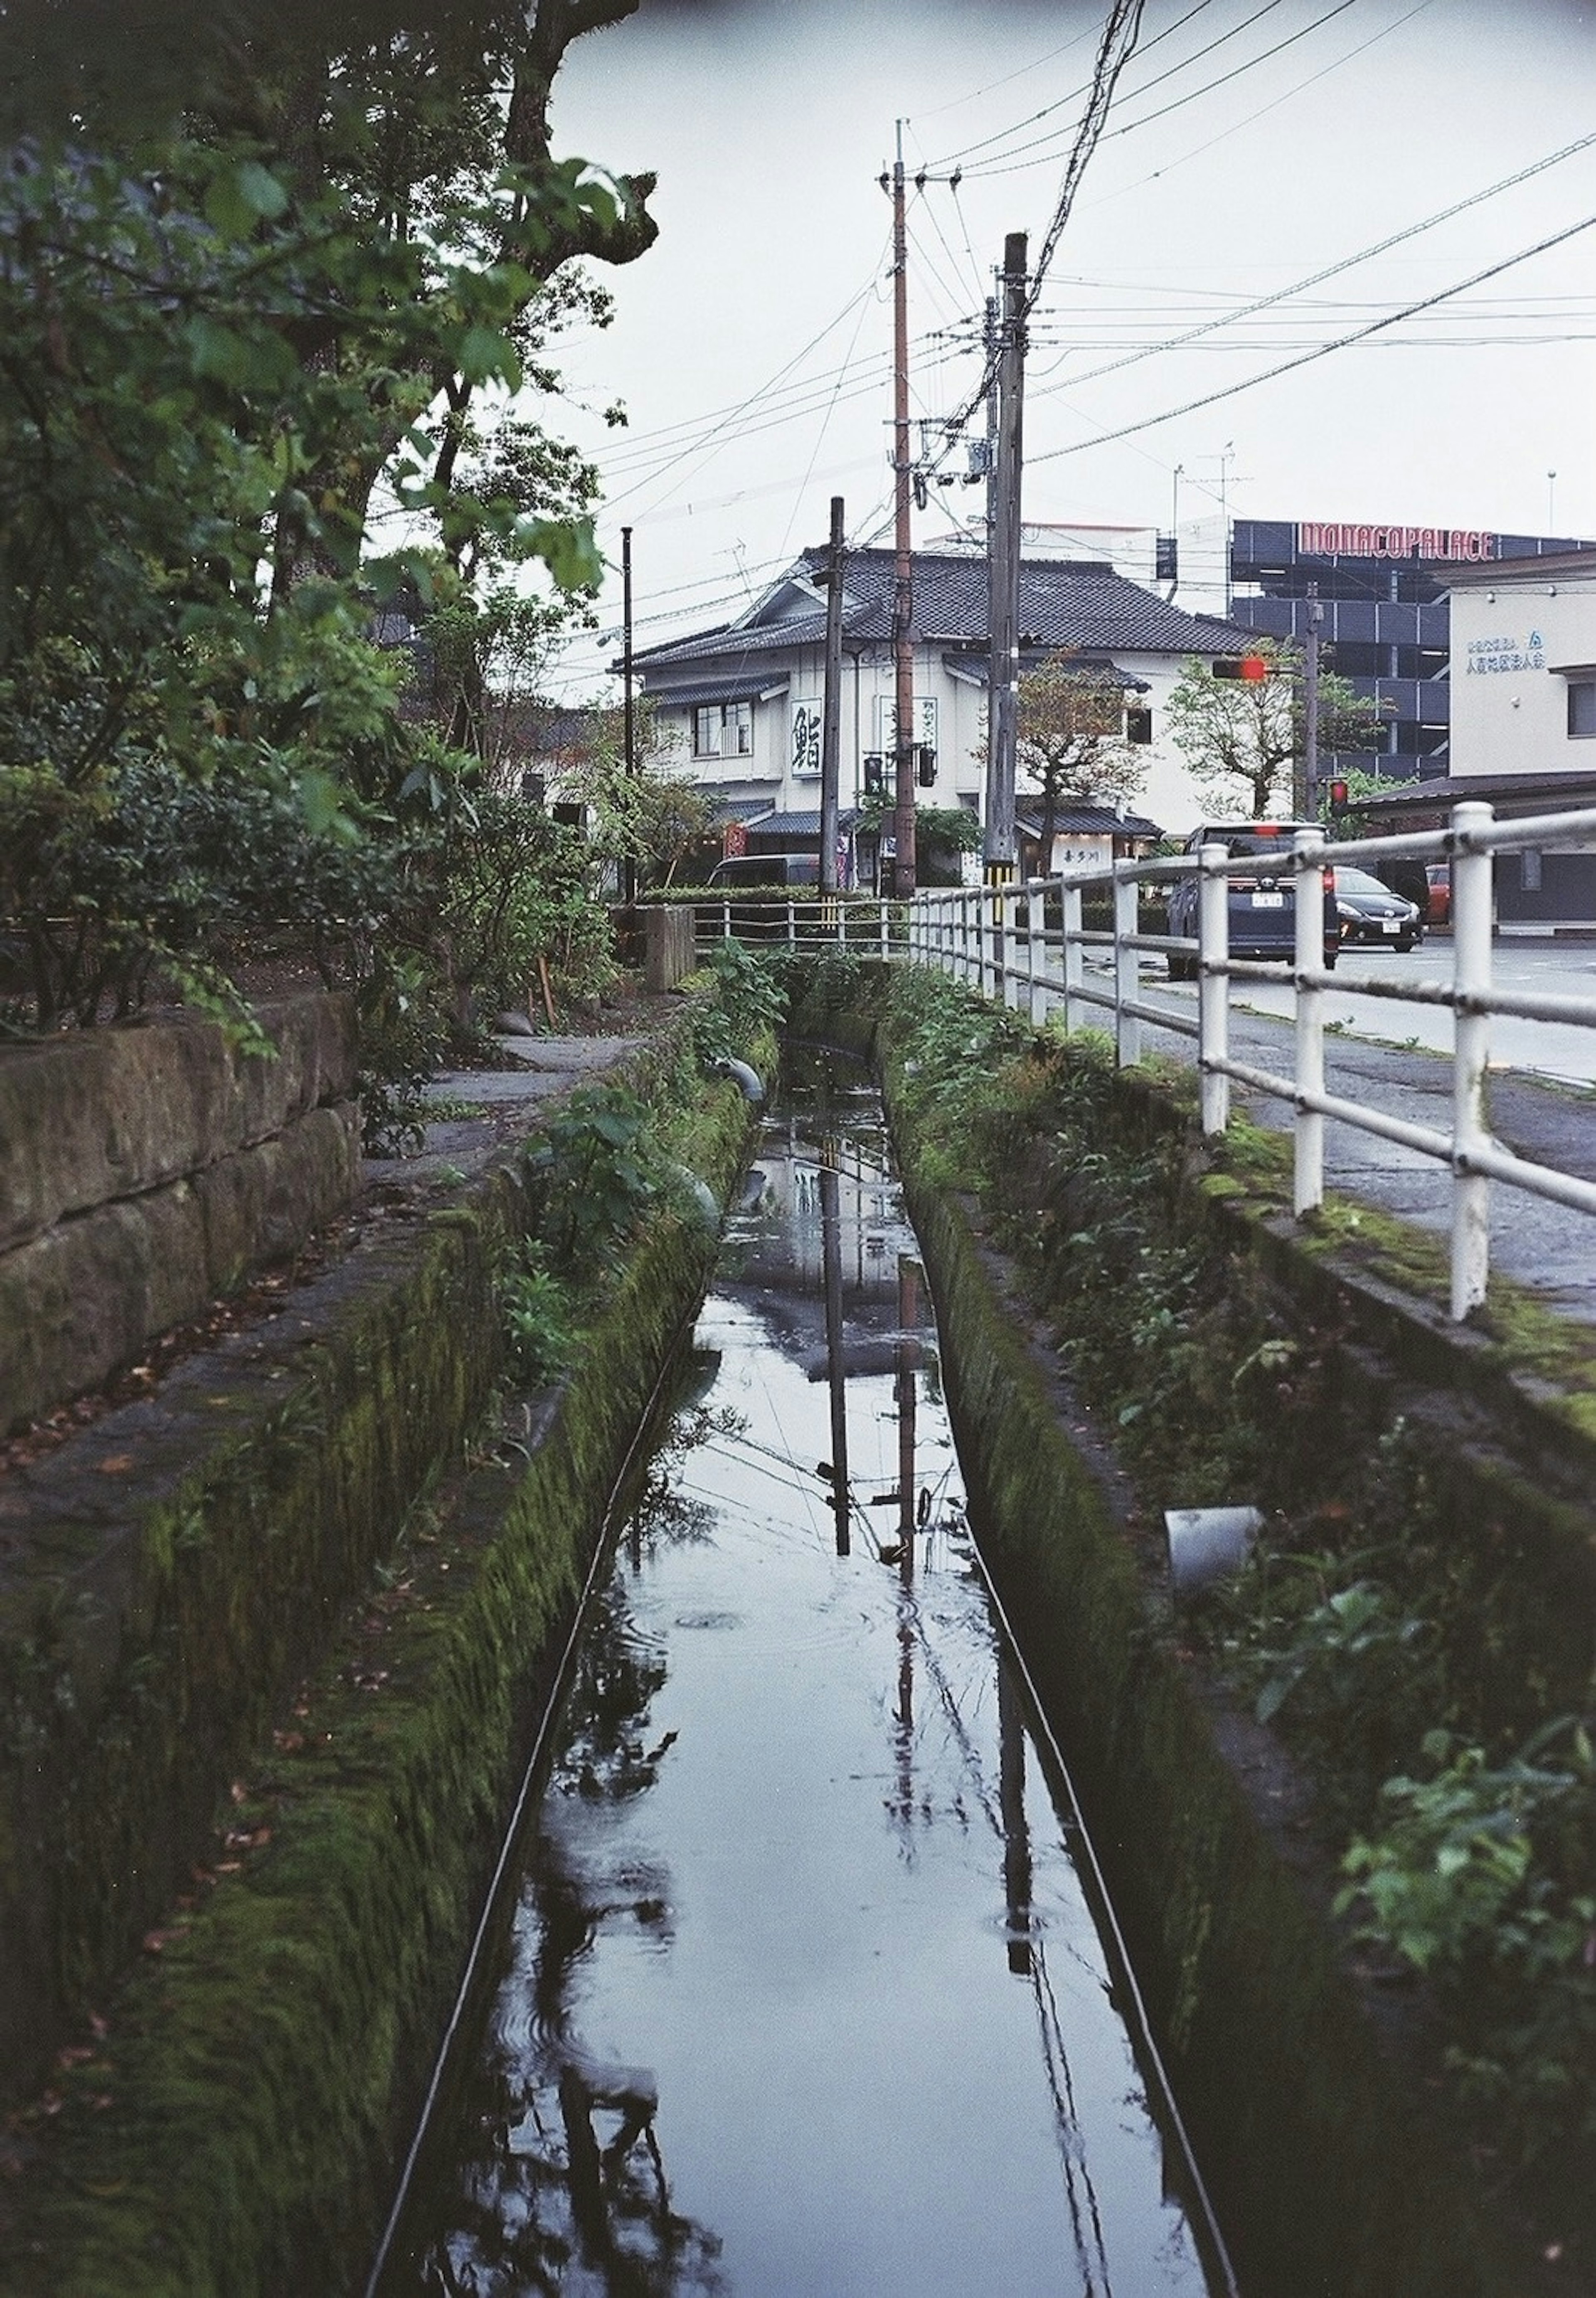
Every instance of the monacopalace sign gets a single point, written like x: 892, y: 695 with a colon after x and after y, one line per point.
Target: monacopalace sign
x: 1469, y: 544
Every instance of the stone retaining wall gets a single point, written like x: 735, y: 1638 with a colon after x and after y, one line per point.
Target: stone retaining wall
x: 144, y: 1171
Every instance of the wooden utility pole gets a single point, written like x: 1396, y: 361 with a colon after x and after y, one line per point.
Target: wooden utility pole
x: 903, y: 597
x: 831, y: 715
x: 1003, y: 572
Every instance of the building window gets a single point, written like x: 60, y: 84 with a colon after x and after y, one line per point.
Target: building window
x: 1582, y: 707
x: 1530, y: 870
x: 724, y: 729
x: 1138, y: 726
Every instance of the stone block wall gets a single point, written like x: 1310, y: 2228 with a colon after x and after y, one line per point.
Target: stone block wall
x: 144, y: 1172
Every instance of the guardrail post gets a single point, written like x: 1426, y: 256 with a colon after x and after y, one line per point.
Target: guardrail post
x: 1214, y: 987
x: 1471, y: 890
x: 1127, y: 1029
x: 1308, y: 1184
x: 1072, y: 956
x: 1036, y: 926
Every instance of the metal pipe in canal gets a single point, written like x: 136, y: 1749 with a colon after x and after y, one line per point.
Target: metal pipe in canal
x: 807, y: 1984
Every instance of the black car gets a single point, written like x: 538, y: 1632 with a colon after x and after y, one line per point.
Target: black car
x: 1370, y: 911
x: 1262, y: 907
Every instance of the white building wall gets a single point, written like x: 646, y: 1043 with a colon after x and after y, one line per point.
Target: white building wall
x: 773, y: 775
x: 1509, y: 708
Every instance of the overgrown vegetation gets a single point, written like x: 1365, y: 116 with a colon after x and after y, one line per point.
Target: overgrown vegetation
x: 271, y: 278
x: 1433, y: 1674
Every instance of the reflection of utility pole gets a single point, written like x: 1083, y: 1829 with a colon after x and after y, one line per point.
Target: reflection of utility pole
x: 830, y: 712
x: 831, y: 1256
x: 1016, y: 1834
x: 907, y: 1353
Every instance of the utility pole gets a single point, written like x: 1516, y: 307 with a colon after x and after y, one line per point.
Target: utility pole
x: 830, y: 712
x: 903, y: 597
x: 1310, y: 792
x: 990, y: 338
x: 628, y: 715
x: 1003, y: 575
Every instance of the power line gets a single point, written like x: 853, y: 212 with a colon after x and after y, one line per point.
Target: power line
x: 1323, y: 351
x: 1274, y: 104
x: 1347, y: 263
x: 1013, y: 165
x: 1001, y: 135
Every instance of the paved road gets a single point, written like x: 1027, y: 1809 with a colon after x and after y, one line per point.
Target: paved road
x: 1548, y: 1048
x: 1543, y: 1245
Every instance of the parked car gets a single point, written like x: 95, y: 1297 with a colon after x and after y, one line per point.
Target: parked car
x: 774, y: 869
x: 1369, y: 911
x: 1263, y: 908
x: 1438, y: 906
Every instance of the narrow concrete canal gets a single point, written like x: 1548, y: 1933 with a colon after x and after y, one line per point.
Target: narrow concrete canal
x: 806, y: 1990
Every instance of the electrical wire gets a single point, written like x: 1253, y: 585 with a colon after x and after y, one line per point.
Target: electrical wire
x: 1323, y: 351
x: 1008, y: 163
x: 1262, y: 111
x: 1001, y: 135
x: 1196, y: 94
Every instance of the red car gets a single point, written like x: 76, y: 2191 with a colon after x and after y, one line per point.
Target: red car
x: 1438, y: 908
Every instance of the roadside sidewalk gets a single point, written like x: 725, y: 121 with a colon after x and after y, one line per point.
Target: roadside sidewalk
x: 1547, y: 1247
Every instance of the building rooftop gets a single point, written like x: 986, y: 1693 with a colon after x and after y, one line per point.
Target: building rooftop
x: 1063, y: 603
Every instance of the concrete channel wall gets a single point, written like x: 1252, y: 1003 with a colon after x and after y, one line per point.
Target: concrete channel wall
x: 1329, y: 2167
x: 145, y: 1170
x: 257, y: 1755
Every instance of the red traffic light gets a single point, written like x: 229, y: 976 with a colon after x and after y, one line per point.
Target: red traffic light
x: 1337, y: 797
x: 1253, y: 668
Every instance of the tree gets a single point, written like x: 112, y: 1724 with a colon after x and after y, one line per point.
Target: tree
x: 1243, y: 737
x: 298, y: 257
x: 1069, y: 739
x: 651, y: 817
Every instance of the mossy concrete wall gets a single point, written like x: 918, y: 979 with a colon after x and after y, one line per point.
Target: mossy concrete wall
x: 236, y: 2129
x: 144, y: 1171
x: 168, y: 1576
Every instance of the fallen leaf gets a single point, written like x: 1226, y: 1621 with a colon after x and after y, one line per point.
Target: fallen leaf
x: 116, y: 1465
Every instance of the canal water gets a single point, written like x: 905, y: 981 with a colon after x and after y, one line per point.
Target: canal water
x: 803, y: 1994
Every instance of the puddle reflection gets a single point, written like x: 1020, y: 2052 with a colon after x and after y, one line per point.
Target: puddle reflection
x: 803, y: 1995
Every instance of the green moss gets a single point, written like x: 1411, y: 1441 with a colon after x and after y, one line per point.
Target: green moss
x: 235, y: 2133
x: 1303, y: 2129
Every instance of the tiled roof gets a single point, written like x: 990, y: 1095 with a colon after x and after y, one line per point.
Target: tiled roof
x: 1089, y: 821
x: 796, y: 825
x: 1063, y: 603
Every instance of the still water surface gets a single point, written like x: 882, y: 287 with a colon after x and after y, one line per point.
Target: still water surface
x: 803, y: 1996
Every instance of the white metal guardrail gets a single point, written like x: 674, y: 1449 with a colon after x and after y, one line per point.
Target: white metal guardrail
x: 1024, y: 944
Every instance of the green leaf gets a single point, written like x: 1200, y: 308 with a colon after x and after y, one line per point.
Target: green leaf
x: 567, y: 547
x: 484, y: 355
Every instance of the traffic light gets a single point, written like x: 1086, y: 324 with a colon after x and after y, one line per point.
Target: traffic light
x: 1254, y: 668
x: 1338, y: 797
x: 875, y: 780
x: 925, y: 765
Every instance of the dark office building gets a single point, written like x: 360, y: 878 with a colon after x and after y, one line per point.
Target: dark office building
x: 1384, y: 624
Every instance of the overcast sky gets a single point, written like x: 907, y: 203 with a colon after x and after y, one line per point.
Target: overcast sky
x: 752, y: 345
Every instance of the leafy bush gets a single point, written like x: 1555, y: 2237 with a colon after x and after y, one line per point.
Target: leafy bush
x: 751, y: 998
x: 598, y: 1173
x: 537, y: 1321
x: 1481, y: 1875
